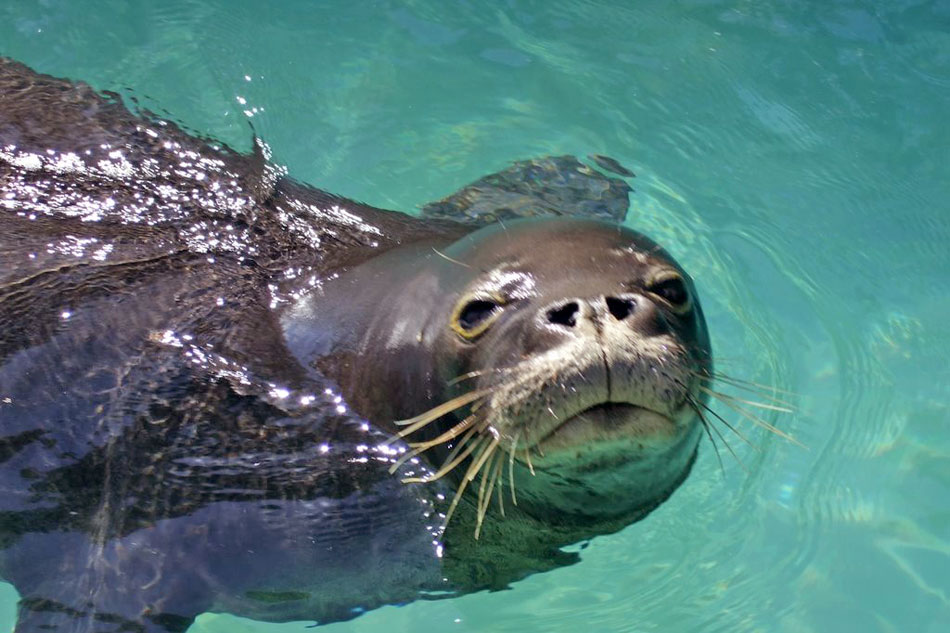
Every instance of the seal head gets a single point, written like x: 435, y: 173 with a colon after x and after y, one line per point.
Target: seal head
x: 562, y: 355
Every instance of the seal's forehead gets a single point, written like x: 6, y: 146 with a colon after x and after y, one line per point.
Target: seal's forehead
x: 558, y: 243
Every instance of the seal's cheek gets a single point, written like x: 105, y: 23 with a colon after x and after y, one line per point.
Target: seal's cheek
x: 620, y: 478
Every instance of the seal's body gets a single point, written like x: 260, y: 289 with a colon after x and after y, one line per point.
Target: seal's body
x: 204, y: 366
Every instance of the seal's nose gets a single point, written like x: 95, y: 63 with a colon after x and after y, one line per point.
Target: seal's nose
x: 567, y: 313
x: 620, y: 307
x: 632, y: 309
x: 564, y: 314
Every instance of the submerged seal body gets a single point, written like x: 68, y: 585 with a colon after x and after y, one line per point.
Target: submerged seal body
x: 222, y: 390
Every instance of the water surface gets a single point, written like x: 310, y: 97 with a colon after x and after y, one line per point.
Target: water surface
x: 791, y: 155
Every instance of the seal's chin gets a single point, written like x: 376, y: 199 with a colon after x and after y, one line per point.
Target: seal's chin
x: 619, y: 426
x: 611, y: 461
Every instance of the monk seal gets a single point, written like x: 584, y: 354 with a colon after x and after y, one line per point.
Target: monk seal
x: 223, y: 390
x: 574, y: 339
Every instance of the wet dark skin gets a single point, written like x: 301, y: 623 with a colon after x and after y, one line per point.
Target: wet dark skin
x: 203, y: 363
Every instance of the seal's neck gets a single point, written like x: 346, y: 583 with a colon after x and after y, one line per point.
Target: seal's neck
x: 342, y: 232
x: 363, y: 328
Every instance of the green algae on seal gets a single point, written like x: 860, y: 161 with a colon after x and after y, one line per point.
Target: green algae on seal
x: 224, y: 390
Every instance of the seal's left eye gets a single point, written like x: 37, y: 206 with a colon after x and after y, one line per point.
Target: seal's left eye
x: 472, y: 317
x: 673, y: 291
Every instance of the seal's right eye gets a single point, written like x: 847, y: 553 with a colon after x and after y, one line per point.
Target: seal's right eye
x: 475, y: 313
x: 473, y: 316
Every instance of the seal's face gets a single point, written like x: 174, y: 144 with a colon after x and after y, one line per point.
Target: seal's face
x: 565, y: 357
x: 581, y: 348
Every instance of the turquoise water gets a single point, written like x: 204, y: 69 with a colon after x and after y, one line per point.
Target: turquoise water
x: 794, y: 156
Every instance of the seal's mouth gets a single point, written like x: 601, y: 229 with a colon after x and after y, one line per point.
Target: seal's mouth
x: 610, y: 423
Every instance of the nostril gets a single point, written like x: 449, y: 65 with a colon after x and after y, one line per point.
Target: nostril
x: 620, y: 308
x: 564, y: 315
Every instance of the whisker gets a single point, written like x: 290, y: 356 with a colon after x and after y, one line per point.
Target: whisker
x: 458, y: 447
x: 511, y: 467
x: 751, y: 403
x: 483, y: 444
x: 756, y: 388
x: 449, y: 465
x: 402, y: 460
x: 712, y: 440
x: 415, y: 423
x: 726, y: 359
x: 744, y: 384
x: 757, y: 420
x: 461, y: 377
x: 481, y: 496
x: 448, y: 435
x: 420, y: 447
x: 729, y: 447
x: 501, y: 485
x: 477, y: 465
x: 694, y: 403
x: 494, y: 467
x: 725, y: 442
x: 455, y: 502
x: 728, y: 425
x: 446, y: 257
x: 480, y: 372
x: 475, y: 374
x: 779, y: 405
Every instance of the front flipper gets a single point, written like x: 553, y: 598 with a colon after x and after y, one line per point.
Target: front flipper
x: 552, y: 185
